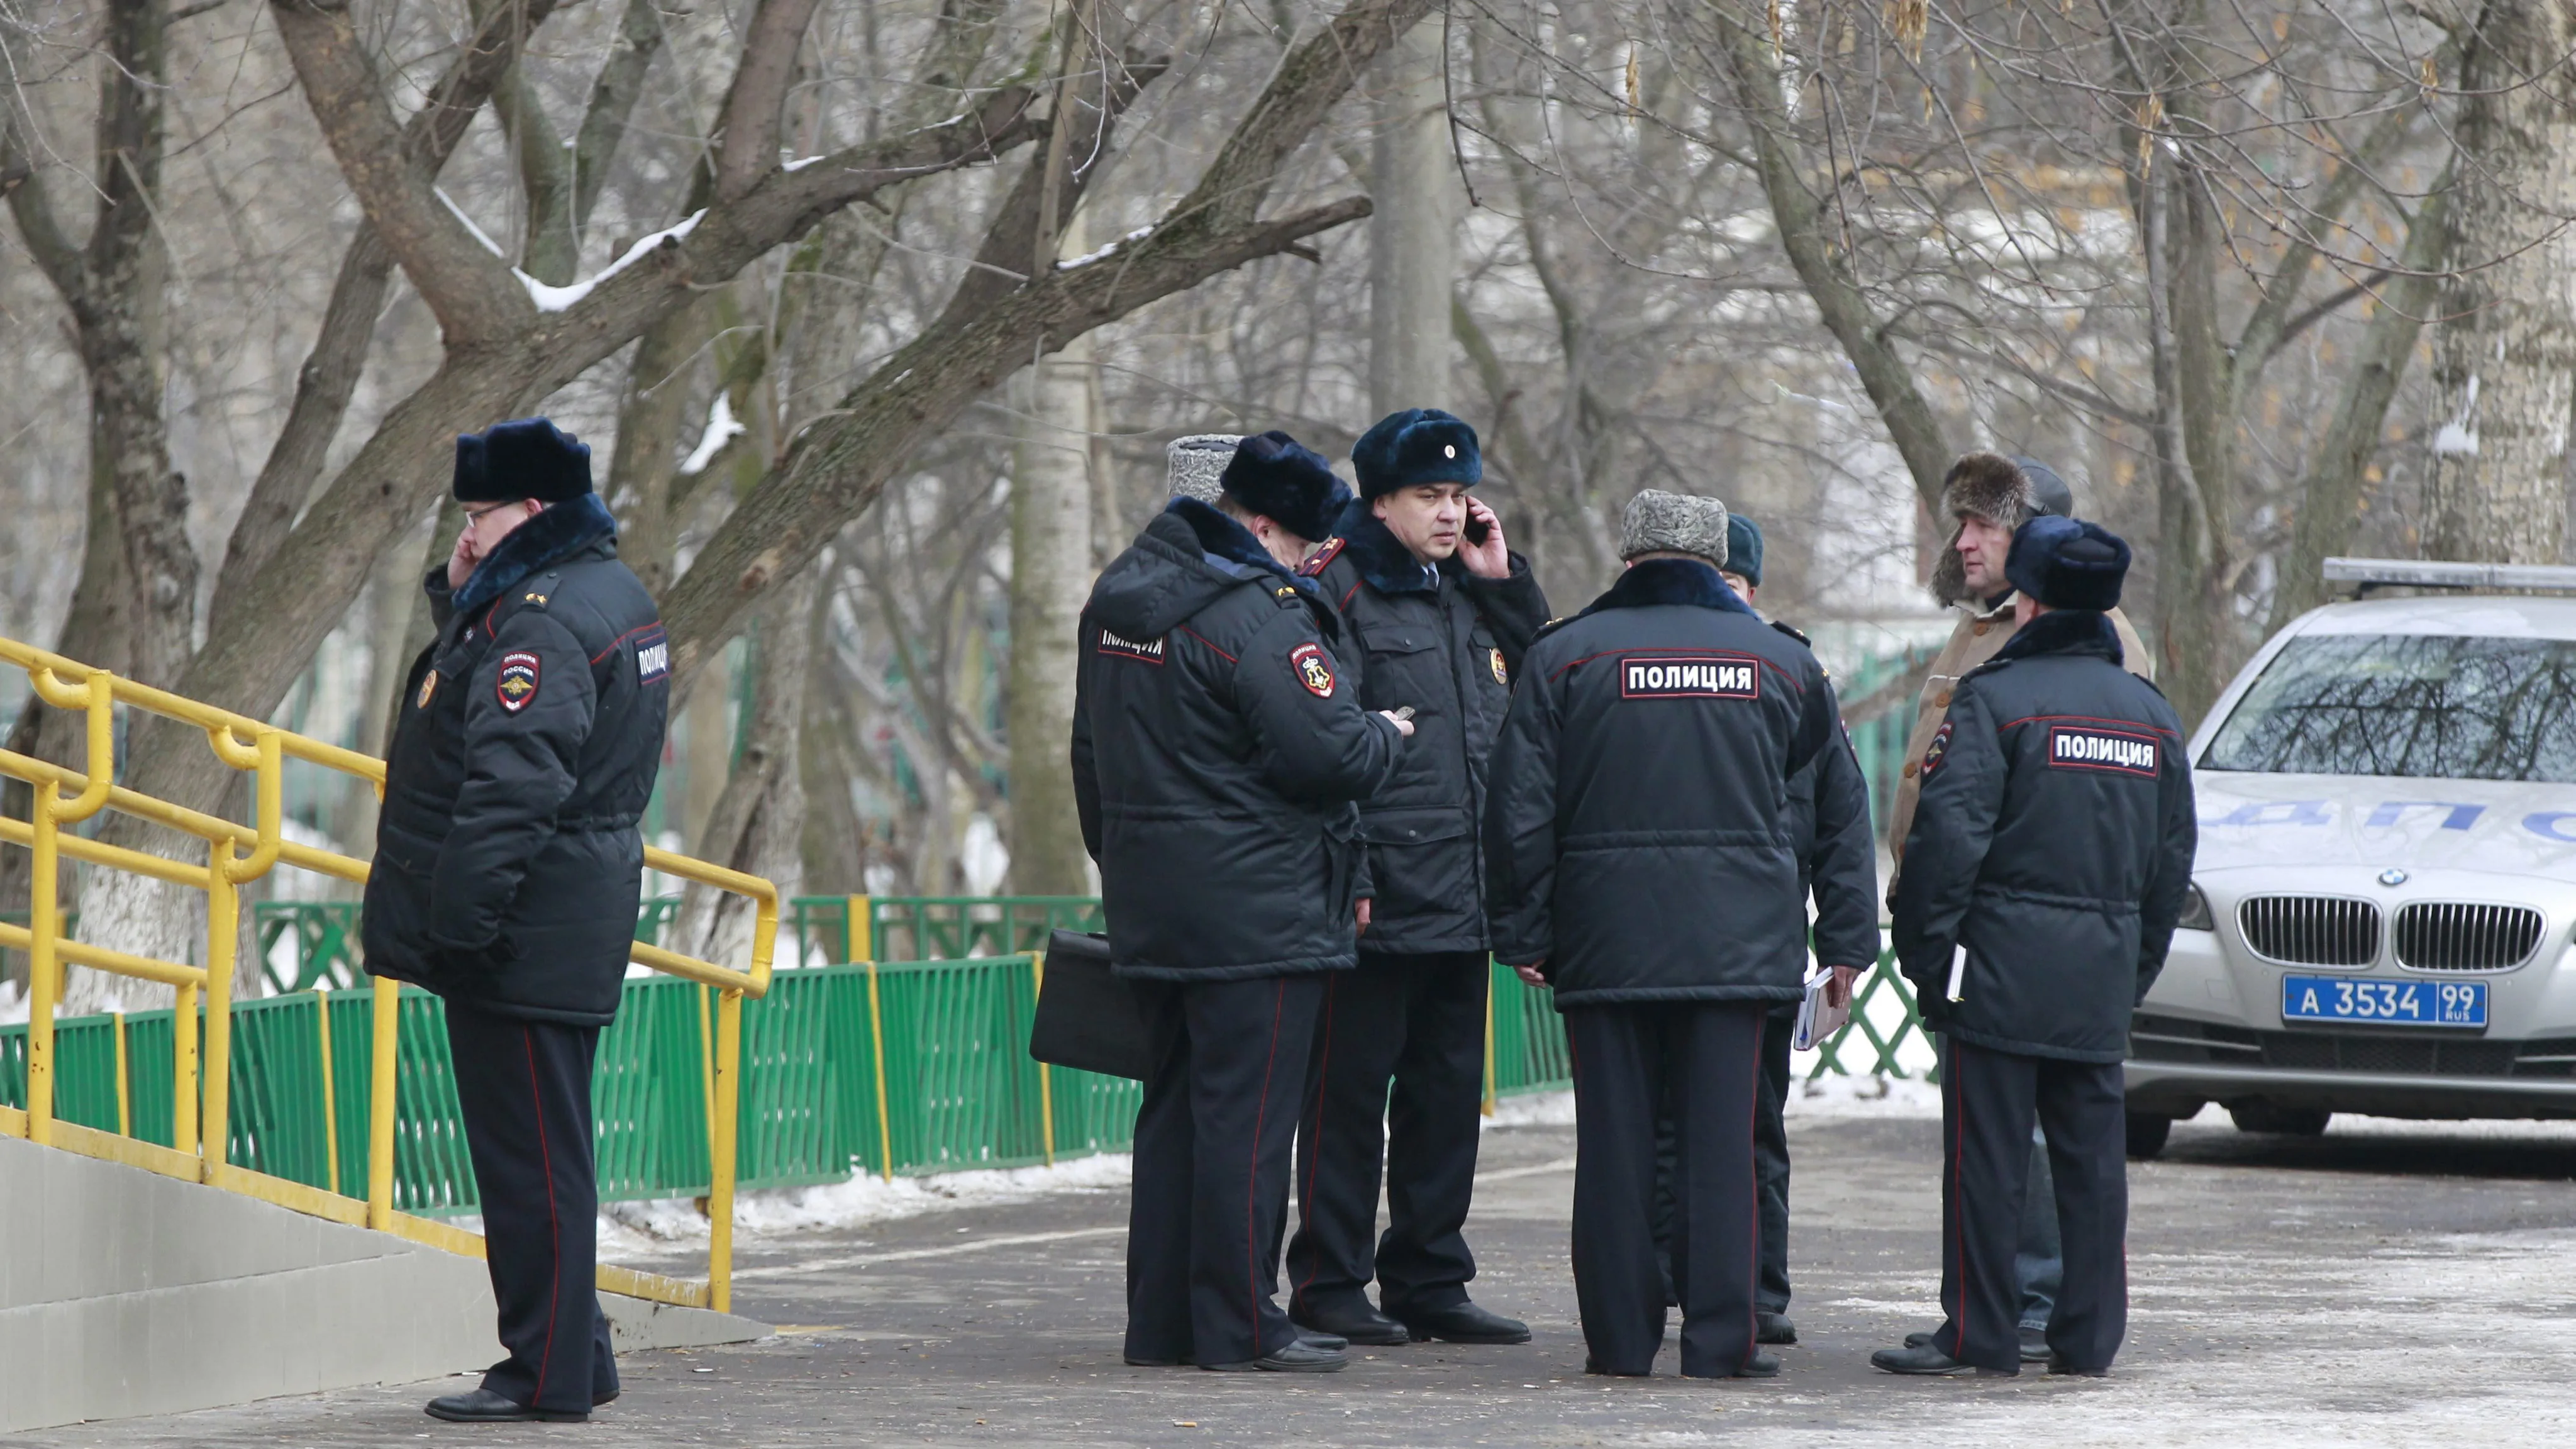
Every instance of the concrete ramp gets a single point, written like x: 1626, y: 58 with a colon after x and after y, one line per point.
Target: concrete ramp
x: 123, y: 1292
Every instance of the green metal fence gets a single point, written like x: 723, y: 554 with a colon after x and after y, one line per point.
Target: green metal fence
x: 892, y: 1068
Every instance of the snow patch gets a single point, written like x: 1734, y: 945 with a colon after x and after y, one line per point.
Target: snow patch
x: 799, y: 164
x: 1536, y: 1109
x: 2459, y: 436
x: 722, y: 428
x: 647, y: 1227
x: 558, y: 299
x: 1087, y: 258
x: 458, y: 212
x: 1862, y: 1097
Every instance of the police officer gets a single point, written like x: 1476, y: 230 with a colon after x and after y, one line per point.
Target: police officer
x: 1640, y: 858
x: 1829, y: 828
x: 2050, y: 855
x: 1438, y: 610
x: 1986, y: 496
x: 507, y: 874
x: 1217, y: 751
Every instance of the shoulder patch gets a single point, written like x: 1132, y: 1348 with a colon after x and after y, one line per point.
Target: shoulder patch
x: 1322, y: 559
x: 1313, y: 670
x: 2097, y: 747
x: 1689, y: 676
x: 517, y: 688
x: 1938, y: 750
x: 1119, y: 646
x: 652, y: 656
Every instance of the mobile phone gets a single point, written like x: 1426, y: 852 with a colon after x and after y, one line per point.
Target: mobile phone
x: 1404, y: 712
x: 1475, y: 531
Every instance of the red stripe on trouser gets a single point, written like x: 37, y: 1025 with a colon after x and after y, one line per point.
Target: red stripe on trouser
x: 1958, y: 1207
x: 1753, y: 1186
x: 1315, y: 1147
x: 554, y: 1224
x: 1252, y: 1176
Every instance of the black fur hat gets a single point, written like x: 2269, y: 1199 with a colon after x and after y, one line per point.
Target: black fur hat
x: 528, y: 458
x: 1285, y: 481
x: 2009, y: 491
x: 1414, y: 446
x: 2067, y: 564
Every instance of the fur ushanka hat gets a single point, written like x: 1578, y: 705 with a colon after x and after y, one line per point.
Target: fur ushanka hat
x: 2009, y: 491
x: 1661, y: 522
x: 1195, y: 465
x: 523, y: 458
x: 2068, y: 565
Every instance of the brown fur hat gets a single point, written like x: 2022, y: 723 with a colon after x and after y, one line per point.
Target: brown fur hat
x: 2009, y: 491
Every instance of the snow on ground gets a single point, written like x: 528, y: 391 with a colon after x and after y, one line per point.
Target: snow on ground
x: 648, y: 1227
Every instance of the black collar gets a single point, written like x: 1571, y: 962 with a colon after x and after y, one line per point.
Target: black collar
x: 1671, y: 581
x: 2065, y: 631
x: 1382, y: 558
x: 1220, y: 537
x: 562, y: 530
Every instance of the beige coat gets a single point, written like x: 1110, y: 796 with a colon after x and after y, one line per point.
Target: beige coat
x: 1979, y: 637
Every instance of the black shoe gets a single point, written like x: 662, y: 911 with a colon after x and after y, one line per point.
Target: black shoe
x: 1465, y: 1323
x: 1919, y: 1340
x: 601, y: 1401
x: 483, y: 1406
x: 1329, y: 1342
x: 1771, y: 1327
x: 2061, y: 1366
x: 1925, y: 1360
x: 1300, y: 1357
x: 1592, y: 1365
x: 2034, y: 1344
x: 1357, y: 1323
x: 1135, y: 1362
x: 1760, y: 1366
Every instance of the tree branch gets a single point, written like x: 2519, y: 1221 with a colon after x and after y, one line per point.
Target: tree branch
x: 471, y: 292
x: 748, y: 124
x: 37, y: 226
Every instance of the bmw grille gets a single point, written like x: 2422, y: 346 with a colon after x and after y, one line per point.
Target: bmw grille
x: 2311, y: 930
x: 2460, y: 936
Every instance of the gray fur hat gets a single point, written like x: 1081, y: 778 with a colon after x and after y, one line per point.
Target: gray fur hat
x: 1196, y: 465
x: 1660, y: 522
x: 2009, y: 491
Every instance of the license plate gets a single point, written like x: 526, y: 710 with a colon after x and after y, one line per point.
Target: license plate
x: 2384, y: 1003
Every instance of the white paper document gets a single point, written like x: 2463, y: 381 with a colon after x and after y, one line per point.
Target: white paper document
x: 1816, y: 1019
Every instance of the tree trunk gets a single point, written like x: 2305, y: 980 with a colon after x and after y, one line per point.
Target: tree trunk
x: 1050, y: 577
x: 1413, y: 236
x: 2505, y: 350
x: 758, y: 822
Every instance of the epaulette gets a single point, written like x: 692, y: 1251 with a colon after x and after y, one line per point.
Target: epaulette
x: 536, y: 593
x: 1793, y: 632
x: 1289, y: 596
x: 1552, y: 625
x: 1314, y: 567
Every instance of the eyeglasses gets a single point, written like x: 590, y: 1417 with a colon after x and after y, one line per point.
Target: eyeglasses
x: 477, y: 515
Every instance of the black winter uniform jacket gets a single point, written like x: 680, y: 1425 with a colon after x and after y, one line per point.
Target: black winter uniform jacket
x: 1638, y: 839
x: 1830, y: 829
x: 1448, y: 643
x: 508, y: 863
x: 2054, y: 840
x: 1217, y: 751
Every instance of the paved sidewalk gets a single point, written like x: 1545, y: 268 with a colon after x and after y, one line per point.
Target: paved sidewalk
x: 2360, y: 1290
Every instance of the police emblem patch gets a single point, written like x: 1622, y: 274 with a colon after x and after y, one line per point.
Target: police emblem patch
x: 1707, y: 676
x: 1939, y: 747
x: 428, y: 687
x: 1502, y: 672
x: 2077, y: 747
x: 1312, y: 671
x: 518, y: 684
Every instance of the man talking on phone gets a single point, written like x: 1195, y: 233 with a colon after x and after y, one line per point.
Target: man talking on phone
x: 1439, y: 609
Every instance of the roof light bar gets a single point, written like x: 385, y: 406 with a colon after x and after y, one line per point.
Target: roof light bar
x: 2365, y: 574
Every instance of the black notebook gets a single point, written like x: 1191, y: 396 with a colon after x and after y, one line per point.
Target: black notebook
x: 1087, y: 1018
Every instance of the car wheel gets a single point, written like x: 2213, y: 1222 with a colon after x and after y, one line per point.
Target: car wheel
x: 2147, y: 1134
x: 2259, y: 1115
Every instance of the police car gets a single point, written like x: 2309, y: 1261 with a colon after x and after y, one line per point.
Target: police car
x: 2382, y: 907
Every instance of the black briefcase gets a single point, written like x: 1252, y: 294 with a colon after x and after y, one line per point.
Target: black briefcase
x: 1087, y: 1018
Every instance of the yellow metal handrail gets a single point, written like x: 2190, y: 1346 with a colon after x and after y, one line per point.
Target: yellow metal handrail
x: 236, y: 855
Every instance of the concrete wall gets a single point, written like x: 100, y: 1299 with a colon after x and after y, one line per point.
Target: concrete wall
x: 123, y: 1292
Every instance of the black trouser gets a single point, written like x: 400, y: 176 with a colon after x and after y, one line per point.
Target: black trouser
x: 1704, y: 1059
x: 1987, y: 1102
x: 524, y: 1089
x: 1770, y: 1168
x: 1421, y: 1021
x: 1213, y: 1140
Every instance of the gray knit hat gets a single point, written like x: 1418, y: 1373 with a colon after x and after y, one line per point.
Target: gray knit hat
x: 1197, y: 464
x: 1660, y: 522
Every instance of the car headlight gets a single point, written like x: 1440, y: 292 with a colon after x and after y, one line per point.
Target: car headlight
x: 2195, y: 912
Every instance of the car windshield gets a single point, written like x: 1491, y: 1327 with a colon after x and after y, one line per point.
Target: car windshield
x: 2433, y: 706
